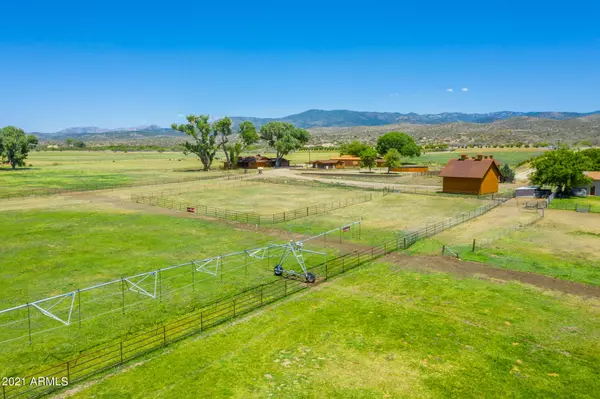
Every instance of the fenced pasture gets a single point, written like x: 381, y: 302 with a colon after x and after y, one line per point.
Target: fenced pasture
x: 225, y: 309
x: 580, y: 204
x: 264, y: 198
x: 67, y: 252
x: 504, y: 218
x: 385, y: 216
x: 291, y: 338
x: 561, y: 244
x: 258, y: 204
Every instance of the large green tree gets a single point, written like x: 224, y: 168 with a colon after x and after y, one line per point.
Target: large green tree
x: 284, y: 138
x: 392, y: 159
x: 15, y: 145
x: 247, y: 136
x: 561, y: 168
x: 594, y: 156
x: 405, y: 144
x: 204, y: 138
x: 223, y: 130
x: 508, y: 175
x: 354, y: 148
x: 368, y: 158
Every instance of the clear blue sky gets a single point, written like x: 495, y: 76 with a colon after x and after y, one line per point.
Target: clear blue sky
x: 120, y: 64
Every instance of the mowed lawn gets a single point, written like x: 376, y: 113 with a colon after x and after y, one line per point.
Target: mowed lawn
x: 267, y: 198
x: 564, y: 244
x: 77, y: 169
x: 386, y: 216
x: 380, y: 332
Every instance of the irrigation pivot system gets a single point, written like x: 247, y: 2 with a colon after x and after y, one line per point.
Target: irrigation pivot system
x: 202, y: 278
x: 296, y: 248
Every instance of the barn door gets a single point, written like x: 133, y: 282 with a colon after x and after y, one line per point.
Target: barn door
x: 593, y: 190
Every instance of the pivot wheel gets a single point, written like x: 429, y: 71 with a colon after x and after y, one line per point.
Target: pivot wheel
x: 310, y: 278
x: 278, y: 270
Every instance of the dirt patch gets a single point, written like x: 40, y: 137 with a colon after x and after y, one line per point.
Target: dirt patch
x: 474, y: 269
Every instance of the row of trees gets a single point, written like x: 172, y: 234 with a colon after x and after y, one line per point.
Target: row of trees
x: 563, y: 168
x: 208, y: 138
x: 15, y: 145
x: 391, y: 146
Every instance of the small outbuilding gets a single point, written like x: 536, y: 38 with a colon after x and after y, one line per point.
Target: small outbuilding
x: 352, y: 161
x: 594, y: 188
x: 328, y: 164
x: 256, y: 161
x: 478, y: 175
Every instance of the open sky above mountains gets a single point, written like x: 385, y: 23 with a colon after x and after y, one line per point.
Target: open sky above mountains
x: 127, y: 64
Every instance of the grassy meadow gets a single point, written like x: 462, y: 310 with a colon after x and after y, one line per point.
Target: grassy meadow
x: 267, y: 198
x: 386, y: 216
x: 593, y: 202
x: 382, y: 332
x: 76, y: 169
x: 564, y: 244
x: 50, y: 252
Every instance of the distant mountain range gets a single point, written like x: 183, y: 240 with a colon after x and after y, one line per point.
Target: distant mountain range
x: 315, y: 118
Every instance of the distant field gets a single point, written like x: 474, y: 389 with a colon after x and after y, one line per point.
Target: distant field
x: 512, y: 156
x: 380, y: 332
x: 74, y: 169
x: 564, y: 244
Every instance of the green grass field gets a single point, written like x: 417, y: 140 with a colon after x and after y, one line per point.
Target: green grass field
x: 76, y: 169
x: 47, y: 253
x: 266, y: 198
x: 593, y: 202
x: 563, y: 245
x: 380, y: 332
x: 386, y: 216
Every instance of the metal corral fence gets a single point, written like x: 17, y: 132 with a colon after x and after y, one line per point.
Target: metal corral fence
x: 430, y: 230
x: 317, y: 184
x: 106, y: 357
x: 112, y: 355
x: 436, y: 192
x: 483, y: 242
x: 238, y: 183
x: 42, y: 192
x: 250, y: 217
x: 586, y: 208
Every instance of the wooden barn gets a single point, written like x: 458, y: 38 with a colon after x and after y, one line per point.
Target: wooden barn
x: 328, y: 164
x: 478, y: 175
x: 255, y: 161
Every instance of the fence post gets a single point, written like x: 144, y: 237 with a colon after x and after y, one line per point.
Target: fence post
x: 473, y: 245
x: 164, y: 335
x: 285, y: 287
x: 261, y: 295
x: 201, y: 321
x: 443, y: 249
x: 404, y: 247
x: 123, y: 294
x: 68, y: 373
x: 121, y: 350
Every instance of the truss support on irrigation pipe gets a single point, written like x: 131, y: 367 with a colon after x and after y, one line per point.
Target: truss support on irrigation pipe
x: 149, y: 285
